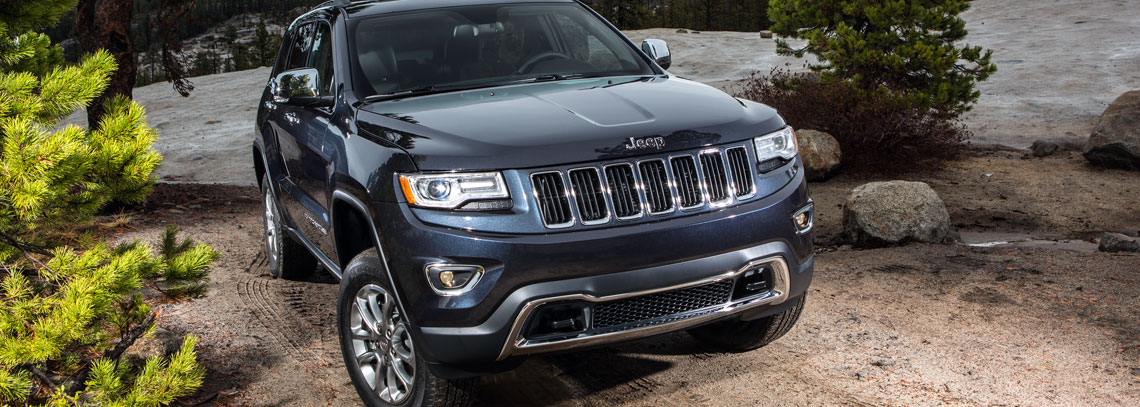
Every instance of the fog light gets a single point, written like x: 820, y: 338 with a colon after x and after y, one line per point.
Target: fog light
x: 447, y: 278
x: 804, y: 218
x: 452, y: 279
x: 802, y: 221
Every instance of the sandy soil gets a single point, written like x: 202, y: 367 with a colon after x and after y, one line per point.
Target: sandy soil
x: 1061, y: 62
x: 914, y: 325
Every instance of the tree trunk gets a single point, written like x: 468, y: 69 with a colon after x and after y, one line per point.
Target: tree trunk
x: 106, y: 24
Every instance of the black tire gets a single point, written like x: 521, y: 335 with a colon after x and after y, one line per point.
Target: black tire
x: 288, y: 258
x: 365, y: 274
x: 743, y: 336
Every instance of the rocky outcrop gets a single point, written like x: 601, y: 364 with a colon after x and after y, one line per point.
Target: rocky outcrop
x: 1115, y: 243
x: 1052, y: 146
x: 1115, y: 142
x: 884, y: 213
x: 820, y: 152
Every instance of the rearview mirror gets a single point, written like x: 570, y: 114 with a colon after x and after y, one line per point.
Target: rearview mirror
x: 659, y: 51
x: 299, y: 87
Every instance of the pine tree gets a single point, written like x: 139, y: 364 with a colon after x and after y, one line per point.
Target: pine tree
x: 906, y: 49
x: 67, y: 315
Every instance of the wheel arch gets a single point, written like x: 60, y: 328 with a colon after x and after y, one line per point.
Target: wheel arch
x: 354, y: 231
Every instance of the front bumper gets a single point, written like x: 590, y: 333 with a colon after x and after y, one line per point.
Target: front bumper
x: 521, y: 271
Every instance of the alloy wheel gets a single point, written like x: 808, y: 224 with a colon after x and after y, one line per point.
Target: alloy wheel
x: 272, y: 231
x: 382, y: 344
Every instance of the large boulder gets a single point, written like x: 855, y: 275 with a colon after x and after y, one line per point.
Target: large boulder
x: 820, y: 152
x: 1115, y: 142
x: 1115, y: 242
x: 883, y: 213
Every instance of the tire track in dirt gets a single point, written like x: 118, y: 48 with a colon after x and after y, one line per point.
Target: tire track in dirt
x: 291, y: 312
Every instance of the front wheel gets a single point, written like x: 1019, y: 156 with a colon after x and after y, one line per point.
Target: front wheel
x: 378, y: 348
x: 741, y: 336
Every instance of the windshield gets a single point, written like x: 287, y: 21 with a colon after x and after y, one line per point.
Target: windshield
x: 486, y: 45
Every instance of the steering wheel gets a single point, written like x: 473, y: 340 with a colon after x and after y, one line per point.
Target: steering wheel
x: 529, y: 64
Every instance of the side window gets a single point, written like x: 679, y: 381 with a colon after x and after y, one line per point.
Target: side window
x: 302, y: 43
x: 321, y: 58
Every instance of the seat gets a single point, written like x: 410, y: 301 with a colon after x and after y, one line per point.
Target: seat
x: 380, y: 68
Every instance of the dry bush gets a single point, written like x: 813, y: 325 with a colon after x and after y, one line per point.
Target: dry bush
x: 877, y: 133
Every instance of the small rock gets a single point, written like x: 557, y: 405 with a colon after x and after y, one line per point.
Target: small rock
x: 694, y: 32
x: 883, y: 213
x: 883, y: 363
x: 1115, y: 141
x: 765, y: 34
x: 820, y: 152
x: 1051, y: 146
x: 1116, y: 242
x: 1136, y: 371
x: 195, y: 206
x: 176, y: 211
x: 682, y: 31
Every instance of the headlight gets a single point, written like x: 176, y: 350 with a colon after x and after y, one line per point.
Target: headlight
x: 449, y: 191
x: 781, y: 144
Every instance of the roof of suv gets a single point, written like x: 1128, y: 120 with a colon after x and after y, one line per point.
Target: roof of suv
x: 374, y: 7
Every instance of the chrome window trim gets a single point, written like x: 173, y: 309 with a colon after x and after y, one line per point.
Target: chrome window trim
x: 668, y: 185
x: 605, y: 196
x: 538, y: 200
x: 637, y: 193
x: 516, y: 345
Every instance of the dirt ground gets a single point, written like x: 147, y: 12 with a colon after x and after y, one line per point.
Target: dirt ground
x: 914, y: 325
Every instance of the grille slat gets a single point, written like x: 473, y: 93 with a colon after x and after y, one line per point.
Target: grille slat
x: 741, y: 175
x: 552, y: 200
x: 688, y: 184
x: 663, y: 304
x: 623, y: 190
x: 587, y: 187
x: 657, y: 192
x: 716, y: 181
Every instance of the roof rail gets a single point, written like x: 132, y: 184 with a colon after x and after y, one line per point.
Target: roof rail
x: 333, y: 3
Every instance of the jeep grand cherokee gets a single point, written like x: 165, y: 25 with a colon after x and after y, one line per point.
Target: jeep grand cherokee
x: 491, y: 179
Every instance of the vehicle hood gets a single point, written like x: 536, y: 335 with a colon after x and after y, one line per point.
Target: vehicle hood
x: 564, y: 122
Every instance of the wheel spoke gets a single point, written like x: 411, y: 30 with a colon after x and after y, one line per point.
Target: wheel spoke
x: 366, y: 357
x: 402, y: 375
x: 381, y: 317
x: 366, y: 315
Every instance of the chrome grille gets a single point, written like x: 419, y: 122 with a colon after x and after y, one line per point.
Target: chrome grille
x: 596, y: 194
x: 623, y: 191
x: 551, y: 194
x: 587, y: 188
x: 688, y: 182
x: 716, y: 181
x: 658, y: 194
x: 738, y: 164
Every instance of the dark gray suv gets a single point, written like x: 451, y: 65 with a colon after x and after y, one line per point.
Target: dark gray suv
x: 491, y: 179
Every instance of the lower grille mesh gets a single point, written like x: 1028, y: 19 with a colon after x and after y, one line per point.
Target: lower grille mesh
x: 661, y: 304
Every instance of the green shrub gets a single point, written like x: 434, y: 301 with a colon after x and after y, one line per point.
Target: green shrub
x: 67, y: 315
x: 899, y: 49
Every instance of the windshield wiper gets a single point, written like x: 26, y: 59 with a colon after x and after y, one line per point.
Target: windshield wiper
x: 421, y: 91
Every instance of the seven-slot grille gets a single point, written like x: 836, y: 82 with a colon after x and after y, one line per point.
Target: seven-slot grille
x: 655, y: 187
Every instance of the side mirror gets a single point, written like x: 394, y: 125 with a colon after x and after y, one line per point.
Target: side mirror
x: 299, y: 87
x: 659, y: 51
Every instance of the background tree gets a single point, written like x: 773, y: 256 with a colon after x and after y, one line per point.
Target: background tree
x: 907, y: 49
